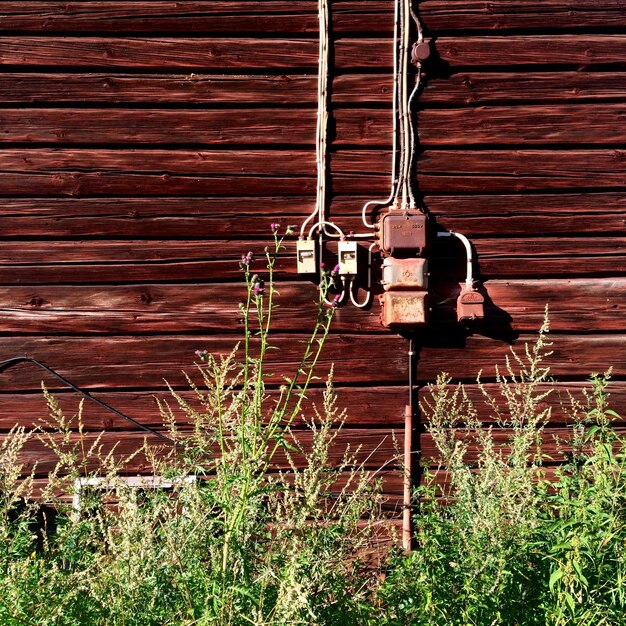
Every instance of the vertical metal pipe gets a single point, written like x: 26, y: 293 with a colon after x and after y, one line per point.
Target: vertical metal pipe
x: 407, y: 534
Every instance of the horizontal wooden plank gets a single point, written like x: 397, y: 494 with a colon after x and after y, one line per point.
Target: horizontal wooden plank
x: 143, y: 362
x: 137, y: 217
x: 300, y: 17
x: 162, y: 308
x: 577, y: 50
x: 198, y: 53
x: 468, y: 15
x: 543, y: 257
x: 524, y: 125
x: 574, y: 357
x: 365, y: 406
x: 377, y: 451
x: 213, y: 127
x: 268, y: 163
x: 523, y: 214
x: 191, y: 88
x: 582, y: 305
x: 575, y: 305
x: 522, y: 87
x: 510, y: 171
x: 528, y: 125
x: 197, y: 16
x: 114, y: 126
x: 133, y: 261
x: 211, y: 217
x: 88, y: 172
x: 206, y: 54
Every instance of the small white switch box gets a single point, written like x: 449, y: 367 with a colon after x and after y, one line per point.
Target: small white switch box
x: 347, y: 258
x: 305, y: 253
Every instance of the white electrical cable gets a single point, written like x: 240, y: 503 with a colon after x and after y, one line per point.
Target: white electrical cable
x: 404, y: 110
x: 394, y: 149
x: 341, y: 297
x: 418, y: 80
x: 323, y: 223
x: 322, y: 118
x: 368, y: 297
x: 323, y: 89
x: 469, y: 278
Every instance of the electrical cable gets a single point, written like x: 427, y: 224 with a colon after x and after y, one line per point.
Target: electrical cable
x: 469, y: 277
x: 322, y: 118
x: 362, y: 305
x: 325, y: 223
x: 9, y: 363
x: 398, y: 104
x: 341, y: 295
x: 418, y: 80
x: 394, y: 149
x: 404, y: 105
x: 321, y: 139
x: 5, y: 365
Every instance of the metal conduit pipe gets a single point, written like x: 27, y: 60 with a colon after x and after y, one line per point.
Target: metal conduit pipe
x: 407, y: 533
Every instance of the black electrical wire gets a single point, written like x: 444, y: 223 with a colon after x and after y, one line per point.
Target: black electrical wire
x: 5, y: 365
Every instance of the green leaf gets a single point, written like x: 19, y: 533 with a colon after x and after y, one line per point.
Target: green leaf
x: 555, y: 577
x: 581, y: 576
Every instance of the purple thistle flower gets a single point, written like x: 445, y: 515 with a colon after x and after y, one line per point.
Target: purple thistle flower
x: 246, y: 259
x: 274, y: 226
x: 336, y: 269
x: 258, y: 289
x: 335, y: 302
x: 322, y: 265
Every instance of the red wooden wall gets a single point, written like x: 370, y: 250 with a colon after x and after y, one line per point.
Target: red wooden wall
x: 145, y: 145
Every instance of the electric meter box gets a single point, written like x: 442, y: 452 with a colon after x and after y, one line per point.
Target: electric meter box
x: 405, y: 274
x: 305, y: 254
x: 403, y: 233
x: 407, y: 309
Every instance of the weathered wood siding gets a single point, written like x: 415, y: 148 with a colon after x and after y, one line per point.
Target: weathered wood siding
x: 145, y: 145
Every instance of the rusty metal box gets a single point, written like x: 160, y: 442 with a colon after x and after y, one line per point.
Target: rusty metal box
x: 403, y: 233
x: 470, y: 305
x: 404, y: 308
x: 402, y: 274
